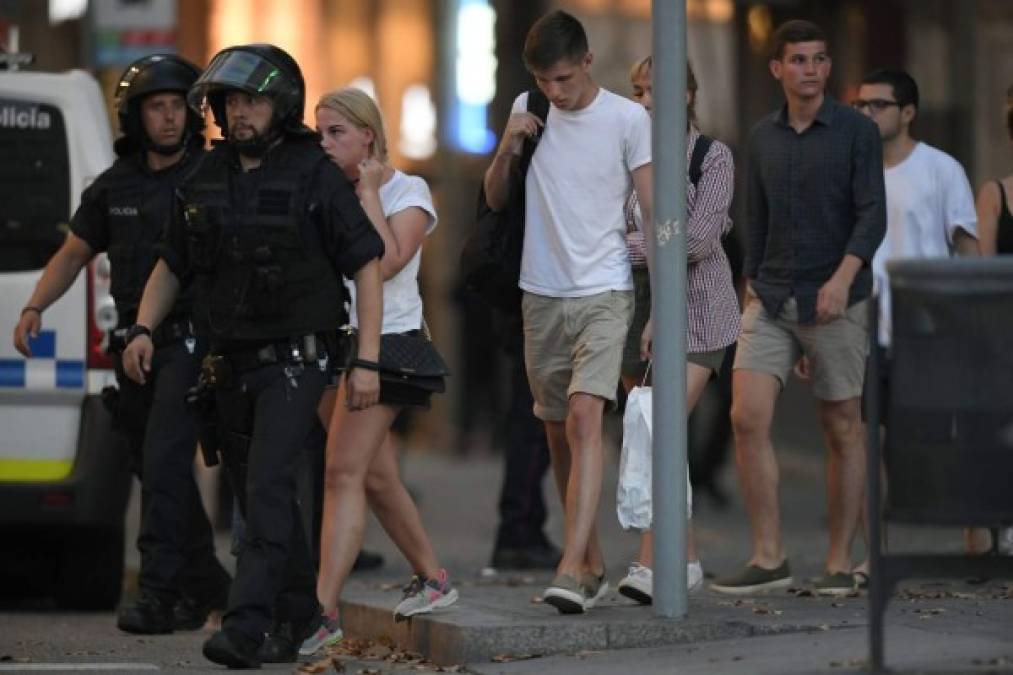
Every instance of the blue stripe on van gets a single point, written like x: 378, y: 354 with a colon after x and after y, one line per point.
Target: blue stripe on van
x: 70, y: 374
x: 12, y: 373
x: 44, y: 346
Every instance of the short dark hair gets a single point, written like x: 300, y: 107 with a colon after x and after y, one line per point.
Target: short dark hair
x: 905, y: 89
x: 555, y: 37
x: 796, y: 30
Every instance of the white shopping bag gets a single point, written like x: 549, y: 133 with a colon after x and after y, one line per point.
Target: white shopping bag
x: 633, y: 496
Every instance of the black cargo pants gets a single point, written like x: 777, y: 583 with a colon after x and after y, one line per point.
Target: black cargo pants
x: 176, y: 540
x: 266, y: 414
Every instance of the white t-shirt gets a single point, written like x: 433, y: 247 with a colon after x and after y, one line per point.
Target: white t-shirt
x: 575, y: 233
x: 928, y: 197
x: 402, y: 304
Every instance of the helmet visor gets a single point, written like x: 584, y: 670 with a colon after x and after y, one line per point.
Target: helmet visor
x: 242, y: 70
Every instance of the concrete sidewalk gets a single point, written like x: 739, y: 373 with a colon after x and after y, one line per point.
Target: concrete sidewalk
x: 506, y: 620
x: 500, y: 618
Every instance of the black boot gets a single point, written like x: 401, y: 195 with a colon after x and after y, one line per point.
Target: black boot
x: 281, y: 645
x: 149, y: 615
x: 191, y: 613
x: 231, y: 649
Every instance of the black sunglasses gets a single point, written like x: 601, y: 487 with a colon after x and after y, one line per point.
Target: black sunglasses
x: 876, y: 104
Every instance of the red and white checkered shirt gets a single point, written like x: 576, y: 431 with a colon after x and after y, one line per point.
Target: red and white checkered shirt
x: 711, y: 304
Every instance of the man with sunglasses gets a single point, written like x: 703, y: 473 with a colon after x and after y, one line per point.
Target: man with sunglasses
x: 929, y: 204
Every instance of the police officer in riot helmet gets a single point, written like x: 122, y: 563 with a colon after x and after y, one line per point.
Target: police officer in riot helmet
x: 262, y: 233
x: 123, y: 213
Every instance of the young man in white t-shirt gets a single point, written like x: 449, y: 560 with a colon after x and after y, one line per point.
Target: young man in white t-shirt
x: 929, y: 203
x: 575, y: 272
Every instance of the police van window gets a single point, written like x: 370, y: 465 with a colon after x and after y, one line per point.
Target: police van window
x: 34, y: 183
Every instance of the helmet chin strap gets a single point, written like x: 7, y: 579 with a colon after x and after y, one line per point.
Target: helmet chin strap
x: 166, y: 150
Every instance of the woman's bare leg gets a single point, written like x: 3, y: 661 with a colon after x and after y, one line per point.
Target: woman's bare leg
x: 397, y: 513
x: 353, y: 441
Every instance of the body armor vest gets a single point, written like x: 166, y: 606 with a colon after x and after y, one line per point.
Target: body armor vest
x: 138, y: 203
x: 259, y: 268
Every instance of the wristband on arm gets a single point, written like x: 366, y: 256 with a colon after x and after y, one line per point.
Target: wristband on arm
x: 135, y: 331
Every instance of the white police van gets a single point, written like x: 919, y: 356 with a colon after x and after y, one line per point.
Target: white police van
x: 64, y: 477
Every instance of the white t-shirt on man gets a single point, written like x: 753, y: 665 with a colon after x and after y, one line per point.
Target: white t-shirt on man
x: 575, y: 234
x: 928, y: 197
x: 402, y: 304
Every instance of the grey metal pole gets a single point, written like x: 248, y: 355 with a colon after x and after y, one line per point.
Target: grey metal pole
x: 668, y: 307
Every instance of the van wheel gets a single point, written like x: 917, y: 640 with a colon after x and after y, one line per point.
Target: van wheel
x: 90, y: 576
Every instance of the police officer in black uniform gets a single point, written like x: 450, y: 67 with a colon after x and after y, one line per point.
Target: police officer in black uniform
x: 262, y: 232
x: 123, y: 213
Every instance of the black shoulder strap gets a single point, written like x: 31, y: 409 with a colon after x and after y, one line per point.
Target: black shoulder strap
x: 538, y: 105
x: 700, y: 150
x: 1003, y: 208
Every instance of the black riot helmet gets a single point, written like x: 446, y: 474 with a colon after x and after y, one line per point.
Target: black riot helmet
x: 259, y: 70
x: 154, y: 74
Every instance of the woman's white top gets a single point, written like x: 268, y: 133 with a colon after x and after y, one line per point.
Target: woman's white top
x: 402, y: 304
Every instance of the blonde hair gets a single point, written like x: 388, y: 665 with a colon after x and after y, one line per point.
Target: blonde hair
x: 361, y: 110
x: 644, y: 67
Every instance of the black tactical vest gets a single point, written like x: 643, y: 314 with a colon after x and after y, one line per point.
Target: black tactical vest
x: 138, y: 202
x: 260, y: 272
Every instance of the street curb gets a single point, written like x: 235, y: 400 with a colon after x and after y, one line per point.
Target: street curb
x: 483, y: 626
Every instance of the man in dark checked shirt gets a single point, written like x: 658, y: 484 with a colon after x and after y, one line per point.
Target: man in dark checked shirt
x: 816, y: 213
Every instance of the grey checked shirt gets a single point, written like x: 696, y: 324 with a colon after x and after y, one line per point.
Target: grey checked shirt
x: 812, y: 198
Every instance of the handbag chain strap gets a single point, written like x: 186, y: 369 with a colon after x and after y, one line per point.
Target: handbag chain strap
x: 643, y: 382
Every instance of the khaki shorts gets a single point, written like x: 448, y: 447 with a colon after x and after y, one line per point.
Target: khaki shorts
x: 574, y: 345
x: 837, y: 351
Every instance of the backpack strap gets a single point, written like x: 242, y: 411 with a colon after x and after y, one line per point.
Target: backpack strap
x: 538, y: 105
x: 700, y: 150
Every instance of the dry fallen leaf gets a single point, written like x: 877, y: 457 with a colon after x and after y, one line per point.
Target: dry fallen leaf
x: 377, y: 652
x: 314, y: 666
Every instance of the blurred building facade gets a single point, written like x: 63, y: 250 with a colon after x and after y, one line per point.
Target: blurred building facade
x: 445, y: 72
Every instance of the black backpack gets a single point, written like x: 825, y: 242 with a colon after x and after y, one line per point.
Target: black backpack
x: 491, y: 257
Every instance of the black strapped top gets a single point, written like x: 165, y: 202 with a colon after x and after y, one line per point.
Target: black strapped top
x: 1004, y: 233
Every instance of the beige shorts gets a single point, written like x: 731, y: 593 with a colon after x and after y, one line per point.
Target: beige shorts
x: 837, y: 351
x: 574, y: 345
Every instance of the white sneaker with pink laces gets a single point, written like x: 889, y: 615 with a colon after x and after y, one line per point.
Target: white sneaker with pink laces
x: 423, y: 595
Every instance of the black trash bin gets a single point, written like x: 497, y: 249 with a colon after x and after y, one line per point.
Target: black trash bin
x: 948, y: 449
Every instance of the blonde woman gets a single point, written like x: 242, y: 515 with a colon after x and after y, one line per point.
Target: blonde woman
x: 712, y: 306
x: 361, y: 467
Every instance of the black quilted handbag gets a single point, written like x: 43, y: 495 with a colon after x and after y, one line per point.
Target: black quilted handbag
x: 410, y: 368
x: 412, y: 359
